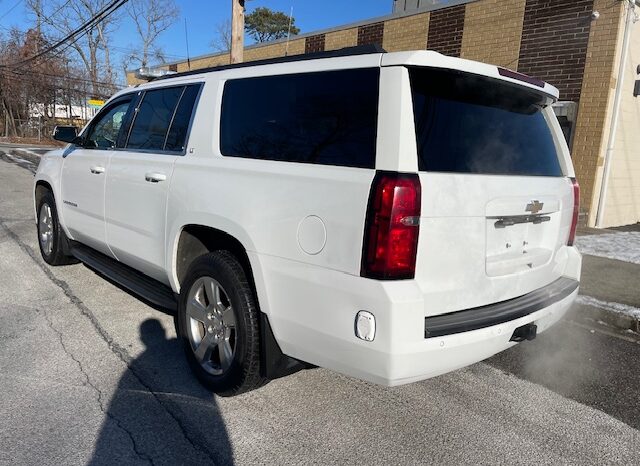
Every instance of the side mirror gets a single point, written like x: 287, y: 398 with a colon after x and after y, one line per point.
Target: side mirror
x: 65, y: 134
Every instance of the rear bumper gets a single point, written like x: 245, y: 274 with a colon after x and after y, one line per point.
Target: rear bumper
x: 312, y: 312
x: 499, y: 313
x: 444, y: 354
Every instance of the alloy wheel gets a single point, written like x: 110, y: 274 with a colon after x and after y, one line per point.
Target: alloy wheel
x: 45, y: 229
x: 211, y: 325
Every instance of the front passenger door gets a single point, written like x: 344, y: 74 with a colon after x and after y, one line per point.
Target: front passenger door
x: 84, y: 172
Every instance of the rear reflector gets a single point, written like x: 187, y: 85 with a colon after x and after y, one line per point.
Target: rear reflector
x: 392, y: 227
x: 576, y: 211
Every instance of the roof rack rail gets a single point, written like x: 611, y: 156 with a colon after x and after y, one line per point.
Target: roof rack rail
x: 344, y: 52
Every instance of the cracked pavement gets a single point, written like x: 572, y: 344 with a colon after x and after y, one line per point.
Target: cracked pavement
x: 91, y: 375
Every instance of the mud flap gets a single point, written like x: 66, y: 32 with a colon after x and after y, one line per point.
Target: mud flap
x: 274, y: 363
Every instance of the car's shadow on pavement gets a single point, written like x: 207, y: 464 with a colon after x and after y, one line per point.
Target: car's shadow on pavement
x: 159, y: 413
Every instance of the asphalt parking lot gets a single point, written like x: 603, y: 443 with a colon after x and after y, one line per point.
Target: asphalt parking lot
x: 90, y: 374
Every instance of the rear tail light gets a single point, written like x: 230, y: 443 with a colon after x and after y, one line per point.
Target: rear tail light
x: 576, y: 211
x: 392, y: 227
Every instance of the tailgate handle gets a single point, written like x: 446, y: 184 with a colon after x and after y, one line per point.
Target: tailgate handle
x: 509, y: 221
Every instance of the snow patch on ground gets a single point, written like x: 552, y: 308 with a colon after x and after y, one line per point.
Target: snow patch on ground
x: 623, y: 245
x: 18, y: 159
x: 619, y: 308
x: 29, y: 152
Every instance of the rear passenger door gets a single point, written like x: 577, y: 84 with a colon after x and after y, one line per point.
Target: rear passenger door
x: 139, y: 177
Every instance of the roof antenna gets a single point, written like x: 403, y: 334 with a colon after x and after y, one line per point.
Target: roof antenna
x: 286, y: 50
x: 186, y: 39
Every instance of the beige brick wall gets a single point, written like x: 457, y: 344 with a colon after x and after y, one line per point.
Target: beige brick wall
x: 596, y: 100
x: 492, y: 32
x: 339, y: 39
x: 132, y: 80
x: 261, y: 52
x: 623, y: 191
x: 407, y: 33
x: 296, y: 47
x: 217, y: 60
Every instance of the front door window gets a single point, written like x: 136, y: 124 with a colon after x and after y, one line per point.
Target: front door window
x: 104, y: 132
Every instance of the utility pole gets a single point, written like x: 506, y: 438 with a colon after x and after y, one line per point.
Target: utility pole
x: 38, y: 25
x: 237, y: 30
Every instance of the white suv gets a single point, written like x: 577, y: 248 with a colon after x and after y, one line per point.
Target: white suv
x: 390, y: 216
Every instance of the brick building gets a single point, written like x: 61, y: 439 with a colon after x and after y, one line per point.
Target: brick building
x: 558, y: 41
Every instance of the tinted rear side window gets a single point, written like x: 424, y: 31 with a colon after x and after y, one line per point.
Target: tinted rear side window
x: 325, y: 118
x: 153, y: 118
x: 177, y: 136
x: 471, y: 124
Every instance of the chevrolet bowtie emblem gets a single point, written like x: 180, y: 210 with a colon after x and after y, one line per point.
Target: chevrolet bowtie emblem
x: 534, y: 207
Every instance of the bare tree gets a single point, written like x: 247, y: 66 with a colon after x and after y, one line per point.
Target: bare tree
x: 30, y: 91
x: 222, y: 39
x: 151, y: 18
x: 60, y: 17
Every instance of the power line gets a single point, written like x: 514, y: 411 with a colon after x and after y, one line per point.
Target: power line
x: 11, y: 9
x: 76, y: 34
x: 97, y: 95
x: 130, y: 49
x: 33, y: 81
x: 59, y: 9
x: 18, y: 75
x: 70, y: 78
x: 51, y: 15
x: 117, y: 48
x: 35, y: 75
x: 79, y: 32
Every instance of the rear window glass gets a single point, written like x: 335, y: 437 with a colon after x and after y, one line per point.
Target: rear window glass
x: 177, y: 136
x: 153, y: 118
x: 472, y: 124
x: 325, y: 118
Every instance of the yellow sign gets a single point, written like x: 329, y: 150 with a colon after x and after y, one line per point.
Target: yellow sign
x: 95, y: 102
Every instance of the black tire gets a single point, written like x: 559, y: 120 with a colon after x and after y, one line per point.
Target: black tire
x: 58, y: 240
x: 243, y: 372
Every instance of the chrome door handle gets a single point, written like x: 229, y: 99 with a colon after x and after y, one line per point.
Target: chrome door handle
x: 155, y: 177
x: 97, y: 170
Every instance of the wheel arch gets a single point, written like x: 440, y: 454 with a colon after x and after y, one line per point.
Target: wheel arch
x: 41, y: 187
x: 194, y: 240
x: 45, y: 182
